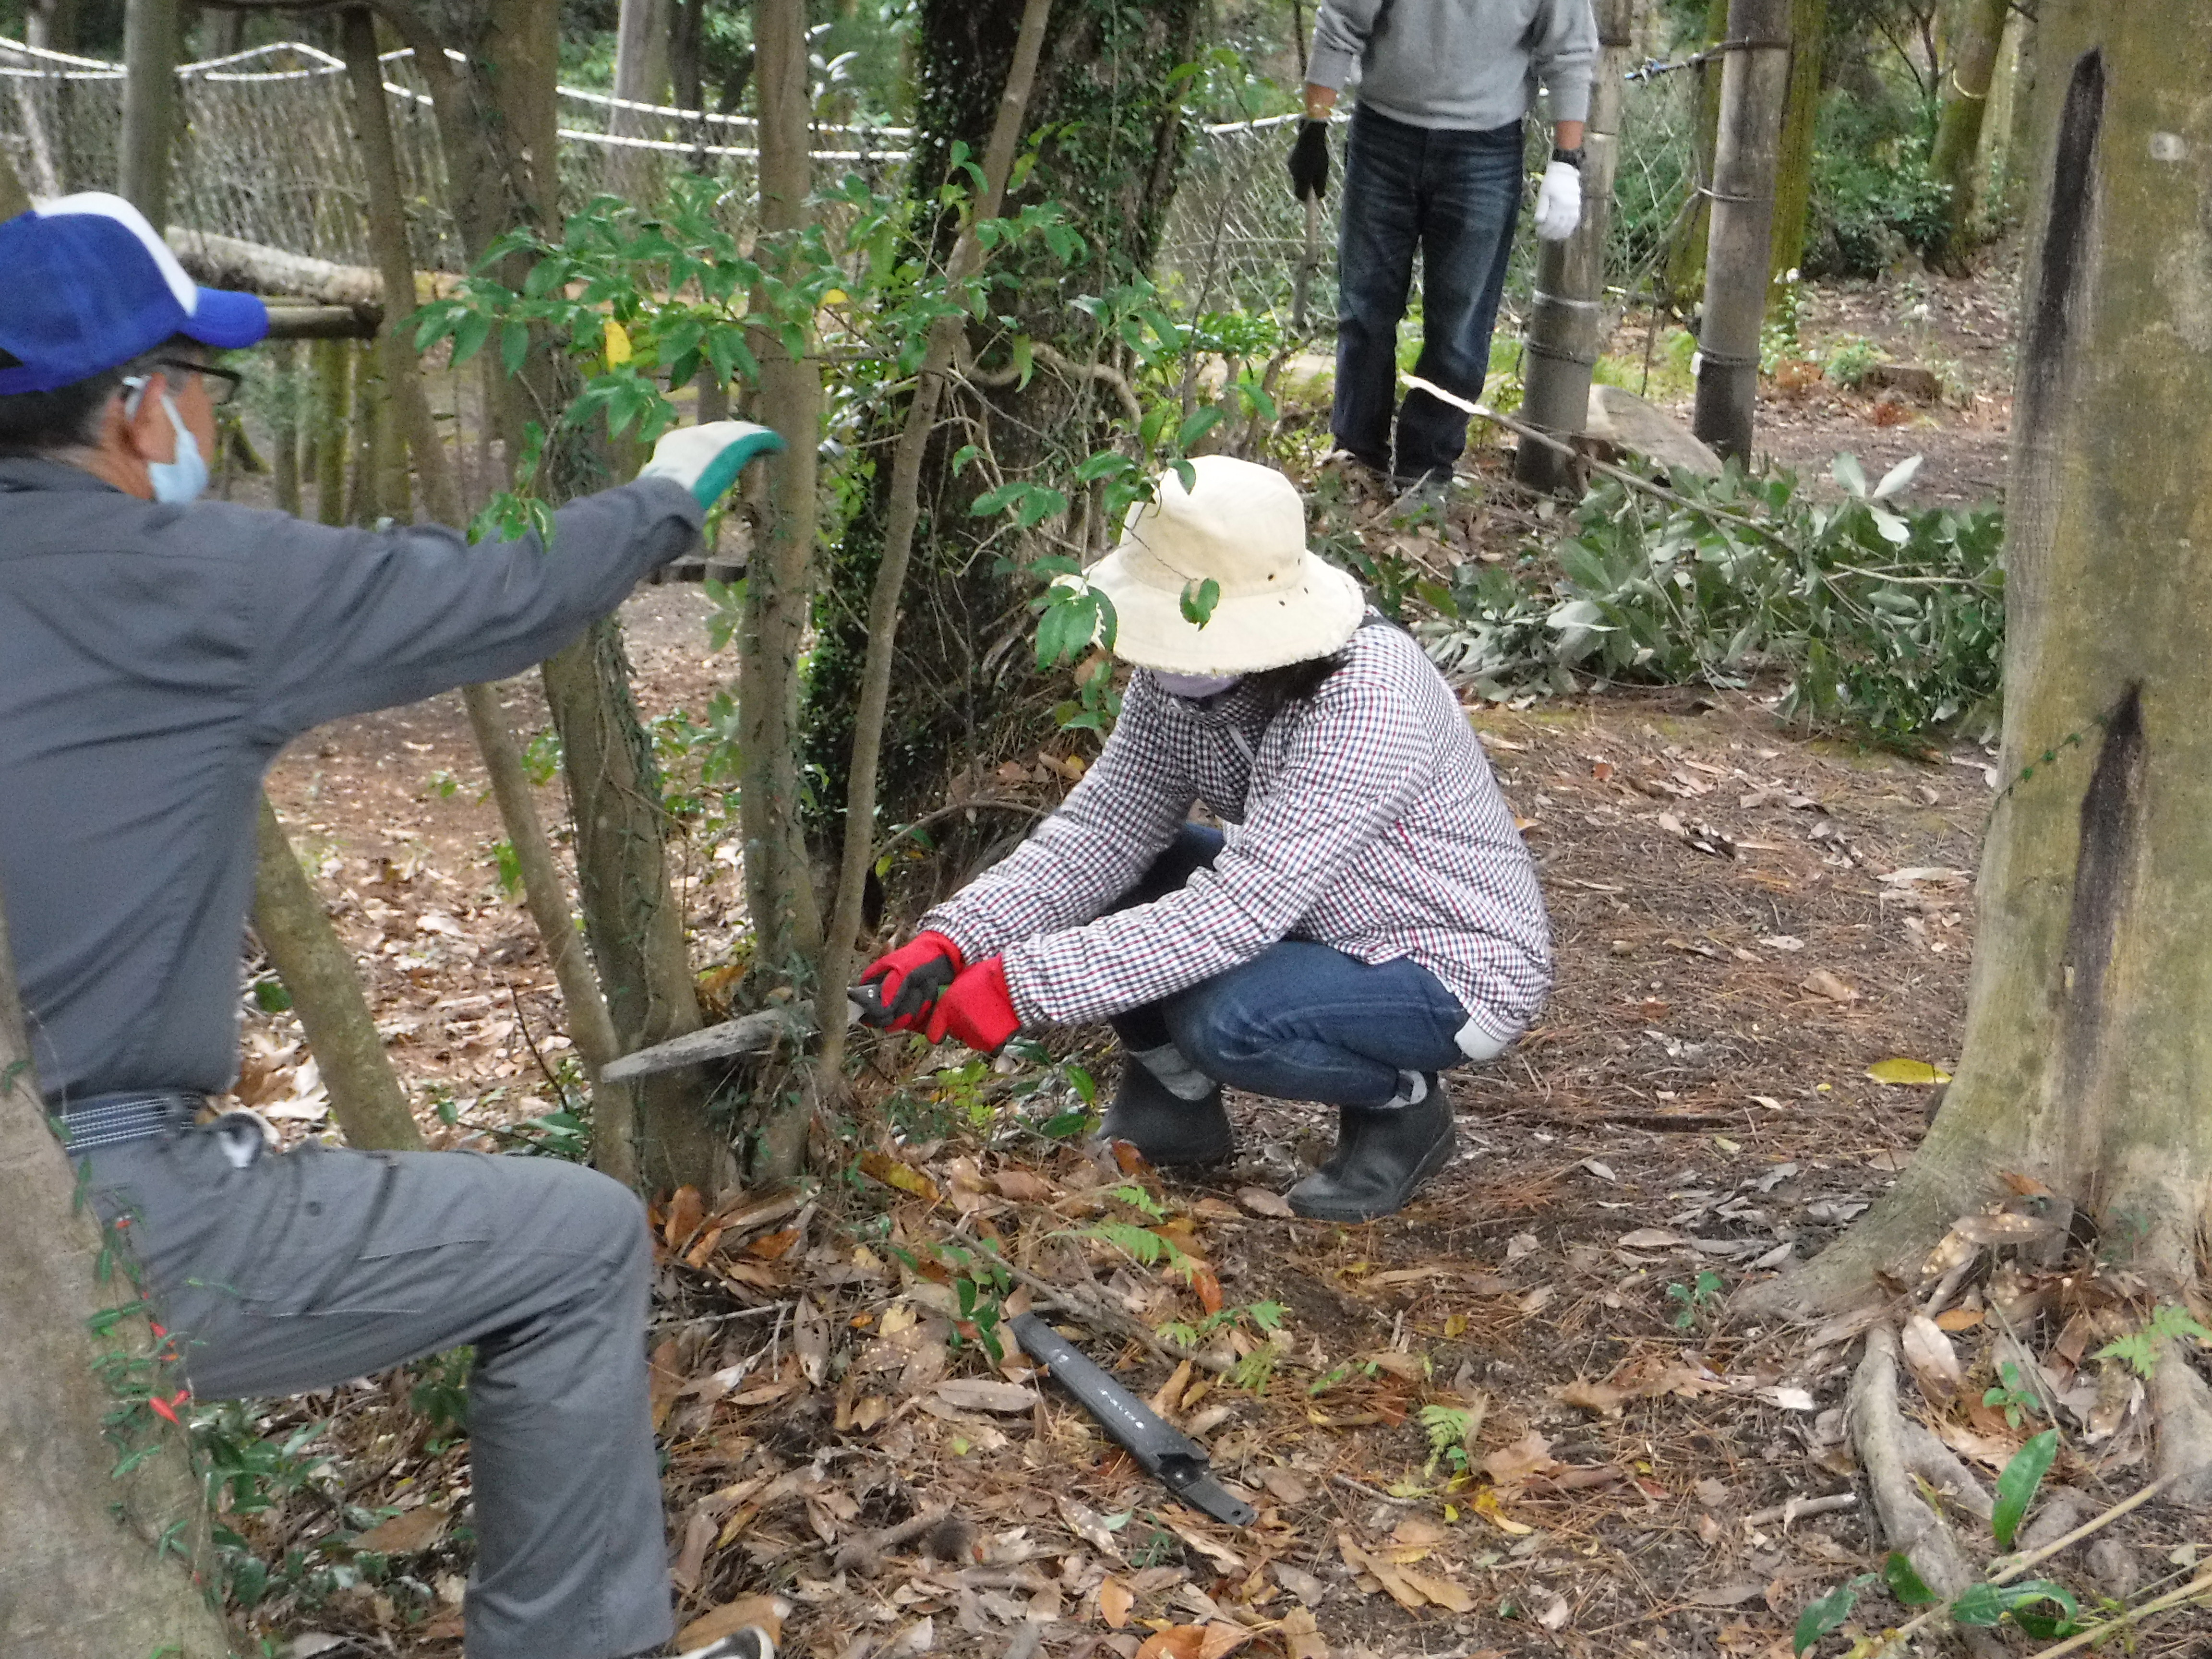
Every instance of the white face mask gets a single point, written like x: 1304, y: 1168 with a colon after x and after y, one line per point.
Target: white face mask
x: 182, y: 478
x: 1194, y: 687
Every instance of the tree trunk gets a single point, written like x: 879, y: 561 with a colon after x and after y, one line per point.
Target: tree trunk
x: 317, y: 969
x: 1953, y: 161
x: 2087, y: 1055
x: 332, y: 360
x: 1686, y: 260
x: 631, y: 914
x: 642, y: 76
x: 14, y: 198
x: 150, y: 107
x: 903, y: 501
x: 1566, y: 324
x: 1738, y: 252
x: 74, y: 1584
x: 1108, y: 98
x: 614, y: 1127
x: 1793, y: 171
x: 284, y: 429
x: 779, y: 884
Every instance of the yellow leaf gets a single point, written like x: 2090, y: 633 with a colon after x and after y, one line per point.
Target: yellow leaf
x: 1913, y: 1073
x: 1486, y: 1506
x: 618, y: 338
x: 1455, y: 1326
x: 835, y: 296
x: 1114, y: 1601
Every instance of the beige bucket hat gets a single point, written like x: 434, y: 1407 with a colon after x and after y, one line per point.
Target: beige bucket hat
x: 1242, y: 526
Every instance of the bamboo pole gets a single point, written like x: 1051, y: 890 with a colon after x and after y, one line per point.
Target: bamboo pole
x: 1566, y: 326
x: 150, y: 39
x: 901, y: 519
x: 1754, y: 84
x: 332, y: 360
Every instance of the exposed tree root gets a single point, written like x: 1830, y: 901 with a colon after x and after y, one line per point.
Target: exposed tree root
x: 1879, y: 1430
x: 1933, y: 1462
x: 2184, y: 1406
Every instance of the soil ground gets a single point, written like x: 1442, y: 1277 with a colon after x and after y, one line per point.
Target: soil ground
x: 1515, y: 1419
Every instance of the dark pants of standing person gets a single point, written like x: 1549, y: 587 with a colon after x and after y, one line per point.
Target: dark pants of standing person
x: 1453, y: 196
x: 296, y: 1271
x: 1301, y: 1020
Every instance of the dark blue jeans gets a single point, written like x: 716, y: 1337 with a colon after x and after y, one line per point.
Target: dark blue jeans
x: 1301, y: 1021
x: 1454, y: 197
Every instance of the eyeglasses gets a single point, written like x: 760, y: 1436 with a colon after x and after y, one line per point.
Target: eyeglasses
x: 221, y: 384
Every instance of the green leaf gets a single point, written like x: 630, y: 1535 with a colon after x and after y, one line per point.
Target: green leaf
x: 1984, y: 1604
x: 2016, y: 1485
x: 1198, y: 599
x: 1905, y: 1583
x: 1196, y: 428
x: 1897, y: 478
x: 1827, y: 1613
x: 1851, y: 474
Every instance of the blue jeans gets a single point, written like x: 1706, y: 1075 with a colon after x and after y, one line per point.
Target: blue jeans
x: 1454, y: 197
x: 1300, y: 1021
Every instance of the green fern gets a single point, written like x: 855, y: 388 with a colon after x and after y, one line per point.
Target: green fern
x: 2140, y: 1350
x: 1447, y: 1428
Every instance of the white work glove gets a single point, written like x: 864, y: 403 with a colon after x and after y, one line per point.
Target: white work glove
x: 1559, y: 202
x: 707, y: 459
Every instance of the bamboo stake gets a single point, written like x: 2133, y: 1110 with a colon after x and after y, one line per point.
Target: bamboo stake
x: 903, y: 513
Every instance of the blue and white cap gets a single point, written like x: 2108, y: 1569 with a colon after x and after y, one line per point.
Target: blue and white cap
x: 91, y: 285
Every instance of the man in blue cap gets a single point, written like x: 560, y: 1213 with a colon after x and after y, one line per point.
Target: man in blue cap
x: 154, y: 656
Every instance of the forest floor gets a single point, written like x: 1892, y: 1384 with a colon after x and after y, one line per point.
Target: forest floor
x: 1515, y: 1419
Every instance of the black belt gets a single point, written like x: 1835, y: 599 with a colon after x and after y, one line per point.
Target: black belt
x: 135, y: 1115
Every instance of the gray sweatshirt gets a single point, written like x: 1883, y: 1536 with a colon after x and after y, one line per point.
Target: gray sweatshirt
x: 153, y: 660
x: 1468, y: 64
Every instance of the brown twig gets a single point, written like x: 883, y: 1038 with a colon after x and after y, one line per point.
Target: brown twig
x: 1798, y: 1507
x: 1366, y: 1490
x: 865, y: 1553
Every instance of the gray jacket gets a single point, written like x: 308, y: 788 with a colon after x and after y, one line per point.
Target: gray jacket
x: 1469, y: 64
x: 153, y: 660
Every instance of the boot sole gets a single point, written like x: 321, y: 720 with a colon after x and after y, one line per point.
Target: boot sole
x: 1432, y: 1161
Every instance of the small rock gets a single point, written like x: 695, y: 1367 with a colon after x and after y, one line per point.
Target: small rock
x: 2112, y: 1567
x: 2058, y: 1514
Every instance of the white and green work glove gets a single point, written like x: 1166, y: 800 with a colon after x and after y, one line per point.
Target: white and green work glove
x: 707, y: 459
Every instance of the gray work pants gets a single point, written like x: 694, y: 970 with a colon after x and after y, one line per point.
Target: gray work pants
x: 311, y: 1268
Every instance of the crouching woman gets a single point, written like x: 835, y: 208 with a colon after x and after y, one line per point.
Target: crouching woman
x: 1367, y: 917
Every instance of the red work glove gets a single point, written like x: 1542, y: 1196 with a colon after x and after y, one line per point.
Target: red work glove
x: 910, y: 979
x: 979, y: 1010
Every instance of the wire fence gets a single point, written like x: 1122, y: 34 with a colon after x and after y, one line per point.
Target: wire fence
x: 266, y: 152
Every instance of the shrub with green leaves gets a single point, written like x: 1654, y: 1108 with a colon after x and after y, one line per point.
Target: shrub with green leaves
x: 1882, y: 618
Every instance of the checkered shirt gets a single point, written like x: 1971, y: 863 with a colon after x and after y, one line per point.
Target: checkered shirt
x: 1366, y: 818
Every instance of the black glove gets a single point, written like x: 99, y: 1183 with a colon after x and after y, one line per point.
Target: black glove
x: 1309, y: 161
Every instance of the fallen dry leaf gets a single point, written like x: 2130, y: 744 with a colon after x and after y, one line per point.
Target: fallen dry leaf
x: 1176, y: 1642
x: 1650, y: 1238
x: 1114, y: 1601
x: 1222, y: 1639
x: 1822, y: 983
x: 1509, y: 1466
x: 1308, y: 1589
x: 686, y: 1210
x: 895, y: 1172
x: 1930, y: 1357
x: 1301, y: 1637
x: 1169, y: 1399
x: 1024, y: 1187
x: 978, y: 1394
x: 1592, y: 1397
x: 403, y: 1535
x: 1284, y: 1486
x: 1442, y: 1591
x: 1487, y: 1506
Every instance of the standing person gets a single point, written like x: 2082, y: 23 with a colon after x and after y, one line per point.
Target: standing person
x: 1434, y: 165
x: 154, y: 655
x: 1368, y: 917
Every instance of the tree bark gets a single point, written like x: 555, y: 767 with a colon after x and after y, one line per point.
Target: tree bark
x: 317, y: 969
x: 1686, y: 261
x: 614, y: 1129
x: 1107, y: 104
x: 904, y: 504
x: 150, y: 43
x: 1753, y: 84
x: 332, y: 360
x: 14, y: 198
x: 1953, y: 161
x: 779, y: 883
x: 1793, y: 172
x: 2087, y: 1055
x: 1566, y: 324
x: 75, y: 1585
x: 642, y: 76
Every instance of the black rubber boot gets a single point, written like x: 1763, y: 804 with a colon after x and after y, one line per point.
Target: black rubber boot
x: 1162, y: 1125
x: 1382, y: 1154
